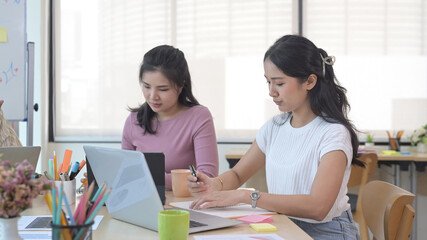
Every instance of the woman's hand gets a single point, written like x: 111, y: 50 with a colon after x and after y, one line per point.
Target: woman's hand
x: 84, y: 179
x: 221, y: 199
x: 84, y: 182
x: 205, y: 184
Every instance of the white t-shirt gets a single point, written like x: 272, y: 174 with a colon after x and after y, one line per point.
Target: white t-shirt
x: 293, y: 156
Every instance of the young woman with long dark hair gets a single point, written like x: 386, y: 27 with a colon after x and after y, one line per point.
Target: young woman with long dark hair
x: 171, y: 120
x: 307, y: 151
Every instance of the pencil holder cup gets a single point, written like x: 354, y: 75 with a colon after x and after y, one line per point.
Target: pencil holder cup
x: 75, y: 232
x: 69, y: 190
x: 394, y: 144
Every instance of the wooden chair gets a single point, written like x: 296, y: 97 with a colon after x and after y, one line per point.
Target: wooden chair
x: 388, y: 210
x: 360, y: 177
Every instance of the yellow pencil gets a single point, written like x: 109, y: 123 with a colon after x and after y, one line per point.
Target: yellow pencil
x: 85, y: 183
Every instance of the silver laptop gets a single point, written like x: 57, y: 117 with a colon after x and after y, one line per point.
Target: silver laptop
x: 19, y: 154
x: 134, y: 197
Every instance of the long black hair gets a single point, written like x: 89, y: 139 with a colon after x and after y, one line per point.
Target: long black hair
x: 298, y: 57
x: 171, y: 63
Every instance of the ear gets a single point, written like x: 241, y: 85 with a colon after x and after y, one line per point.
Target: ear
x: 311, y: 82
x: 180, y: 90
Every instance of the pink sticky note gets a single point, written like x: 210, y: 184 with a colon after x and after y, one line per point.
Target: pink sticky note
x: 256, y: 219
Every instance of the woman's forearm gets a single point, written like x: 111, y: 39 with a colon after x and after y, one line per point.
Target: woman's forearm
x: 227, y: 181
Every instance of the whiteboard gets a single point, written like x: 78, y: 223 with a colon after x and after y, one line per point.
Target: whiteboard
x: 13, y: 59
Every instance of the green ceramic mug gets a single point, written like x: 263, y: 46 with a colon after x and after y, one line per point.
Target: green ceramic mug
x: 173, y: 224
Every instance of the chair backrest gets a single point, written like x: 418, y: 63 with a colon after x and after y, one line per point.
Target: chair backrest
x: 388, y: 210
x: 360, y: 176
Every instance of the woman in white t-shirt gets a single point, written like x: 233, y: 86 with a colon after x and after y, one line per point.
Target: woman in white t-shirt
x: 307, y: 151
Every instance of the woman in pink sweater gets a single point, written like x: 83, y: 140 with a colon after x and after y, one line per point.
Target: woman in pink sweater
x: 171, y: 120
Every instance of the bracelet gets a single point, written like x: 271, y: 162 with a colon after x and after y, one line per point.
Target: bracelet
x: 222, y: 184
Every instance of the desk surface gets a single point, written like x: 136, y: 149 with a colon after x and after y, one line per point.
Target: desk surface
x: 237, y: 153
x: 114, y: 229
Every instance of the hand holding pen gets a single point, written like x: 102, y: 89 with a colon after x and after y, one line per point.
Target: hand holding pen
x: 193, y: 172
x: 199, y: 183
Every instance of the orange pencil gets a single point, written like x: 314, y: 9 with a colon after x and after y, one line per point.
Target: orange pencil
x: 55, y: 163
x: 399, y: 134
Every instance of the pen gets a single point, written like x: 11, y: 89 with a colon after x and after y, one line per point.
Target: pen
x: 193, y: 172
x: 47, y: 175
x: 82, y: 163
x: 67, y: 178
x: 74, y: 171
x: 62, y: 177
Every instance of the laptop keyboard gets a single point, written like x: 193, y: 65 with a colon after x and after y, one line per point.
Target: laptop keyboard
x: 196, y: 224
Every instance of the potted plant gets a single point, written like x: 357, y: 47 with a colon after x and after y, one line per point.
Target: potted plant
x: 17, y: 190
x: 369, y: 140
x: 419, y: 139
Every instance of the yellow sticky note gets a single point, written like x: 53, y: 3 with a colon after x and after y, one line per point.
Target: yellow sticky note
x: 263, y: 227
x: 3, y: 34
x: 390, y: 152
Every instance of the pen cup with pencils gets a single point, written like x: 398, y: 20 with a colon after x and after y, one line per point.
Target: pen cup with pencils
x: 69, y: 190
x: 394, y: 144
x: 78, y: 225
x: 60, y: 231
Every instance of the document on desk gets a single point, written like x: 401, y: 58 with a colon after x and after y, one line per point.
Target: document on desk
x: 240, y: 237
x: 36, y: 235
x: 40, y: 223
x: 236, y: 211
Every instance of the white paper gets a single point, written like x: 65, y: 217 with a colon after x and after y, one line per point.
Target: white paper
x: 24, y: 221
x: 270, y: 236
x: 240, y: 210
x: 35, y: 235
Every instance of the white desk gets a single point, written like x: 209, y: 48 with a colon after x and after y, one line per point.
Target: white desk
x: 114, y: 229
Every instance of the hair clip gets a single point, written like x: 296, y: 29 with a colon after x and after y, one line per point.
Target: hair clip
x: 330, y: 60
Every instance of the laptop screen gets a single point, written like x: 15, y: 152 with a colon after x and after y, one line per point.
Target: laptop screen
x: 156, y: 164
x: 19, y: 154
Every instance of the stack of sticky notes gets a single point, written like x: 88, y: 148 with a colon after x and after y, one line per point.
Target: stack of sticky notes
x: 256, y: 219
x: 389, y: 152
x: 263, y: 227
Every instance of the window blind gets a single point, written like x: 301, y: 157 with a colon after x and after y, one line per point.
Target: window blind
x: 102, y: 44
x: 380, y: 47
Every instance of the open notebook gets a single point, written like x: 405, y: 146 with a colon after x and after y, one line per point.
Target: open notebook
x: 237, y: 211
